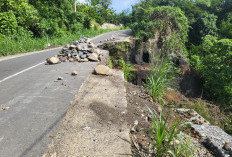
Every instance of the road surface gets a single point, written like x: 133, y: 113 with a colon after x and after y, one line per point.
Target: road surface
x: 37, y: 101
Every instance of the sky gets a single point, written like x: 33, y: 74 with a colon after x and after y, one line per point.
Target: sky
x: 120, y: 5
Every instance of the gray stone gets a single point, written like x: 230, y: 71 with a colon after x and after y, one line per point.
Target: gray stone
x: 215, y: 139
x: 83, y: 56
x: 81, y: 53
x: 74, y: 55
x: 103, y: 70
x: 65, y: 49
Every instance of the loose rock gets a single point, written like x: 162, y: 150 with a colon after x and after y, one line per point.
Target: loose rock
x: 5, y: 108
x: 93, y: 58
x: 82, y: 51
x: 74, y: 73
x: 103, y: 70
x: 84, y: 60
x: 60, y: 78
x: 53, y: 60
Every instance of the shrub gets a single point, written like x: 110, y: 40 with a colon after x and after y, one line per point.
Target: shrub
x: 226, y: 28
x: 214, y: 64
x: 164, y: 18
x: 8, y: 23
x: 205, y: 25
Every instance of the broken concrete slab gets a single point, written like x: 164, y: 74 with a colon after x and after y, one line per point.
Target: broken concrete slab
x: 215, y: 139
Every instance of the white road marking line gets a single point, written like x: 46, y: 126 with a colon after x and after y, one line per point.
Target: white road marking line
x: 21, y: 72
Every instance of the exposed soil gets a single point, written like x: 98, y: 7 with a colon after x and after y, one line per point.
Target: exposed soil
x: 138, y: 118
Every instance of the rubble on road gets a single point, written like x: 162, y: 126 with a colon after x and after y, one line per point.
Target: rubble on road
x: 81, y: 50
x: 74, y: 73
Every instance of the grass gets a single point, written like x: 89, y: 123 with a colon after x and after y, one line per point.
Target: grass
x: 160, y: 79
x: 127, y: 69
x: 21, y: 44
x: 163, y: 134
x: 110, y: 62
x: 184, y: 148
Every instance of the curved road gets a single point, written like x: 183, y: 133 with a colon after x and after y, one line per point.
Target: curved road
x: 37, y: 101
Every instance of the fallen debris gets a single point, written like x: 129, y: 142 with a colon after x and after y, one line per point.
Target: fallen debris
x: 74, y: 73
x: 5, y: 108
x: 81, y: 50
x: 215, y: 139
x: 103, y: 70
x: 60, y: 78
x: 53, y: 60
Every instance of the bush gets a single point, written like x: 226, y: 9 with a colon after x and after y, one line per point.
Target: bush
x: 214, y: 64
x: 8, y: 23
x: 151, y: 20
x: 205, y: 25
x: 226, y: 29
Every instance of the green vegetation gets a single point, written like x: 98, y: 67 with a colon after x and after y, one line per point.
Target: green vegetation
x: 205, y: 38
x: 184, y: 148
x: 213, y: 62
x: 25, y: 43
x: 160, y: 79
x: 127, y: 69
x: 164, y: 134
x: 203, y: 109
x: 27, y: 25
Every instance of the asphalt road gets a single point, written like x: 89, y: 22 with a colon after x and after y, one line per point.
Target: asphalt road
x: 37, y: 101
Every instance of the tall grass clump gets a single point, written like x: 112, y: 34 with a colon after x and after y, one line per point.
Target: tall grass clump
x: 160, y: 78
x: 163, y: 135
x: 127, y: 70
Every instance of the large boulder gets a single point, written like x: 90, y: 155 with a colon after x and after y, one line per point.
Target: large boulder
x: 103, y: 70
x: 53, y: 60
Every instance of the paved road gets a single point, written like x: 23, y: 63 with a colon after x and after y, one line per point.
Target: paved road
x: 36, y: 99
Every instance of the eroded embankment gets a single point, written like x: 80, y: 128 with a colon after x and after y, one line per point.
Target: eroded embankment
x: 140, y: 54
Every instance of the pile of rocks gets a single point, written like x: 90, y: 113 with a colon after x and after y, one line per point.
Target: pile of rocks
x: 81, y: 50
